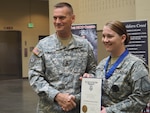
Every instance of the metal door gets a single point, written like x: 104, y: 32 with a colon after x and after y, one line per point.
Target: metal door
x: 10, y: 55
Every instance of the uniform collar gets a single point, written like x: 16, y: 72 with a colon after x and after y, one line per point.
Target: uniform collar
x: 74, y: 43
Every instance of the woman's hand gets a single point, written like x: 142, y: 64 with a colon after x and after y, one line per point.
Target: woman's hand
x: 85, y: 75
x: 103, y: 110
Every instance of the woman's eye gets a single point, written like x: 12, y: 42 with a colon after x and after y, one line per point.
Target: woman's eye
x: 103, y: 36
x: 109, y: 36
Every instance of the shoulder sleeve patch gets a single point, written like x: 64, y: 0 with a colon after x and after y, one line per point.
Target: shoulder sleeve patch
x: 145, y: 84
x: 36, y: 51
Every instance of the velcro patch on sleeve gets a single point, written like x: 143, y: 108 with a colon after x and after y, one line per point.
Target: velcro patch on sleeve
x: 36, y: 51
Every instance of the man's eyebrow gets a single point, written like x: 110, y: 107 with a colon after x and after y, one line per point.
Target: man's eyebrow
x: 59, y: 16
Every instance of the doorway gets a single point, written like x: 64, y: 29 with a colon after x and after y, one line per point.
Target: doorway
x: 10, y: 55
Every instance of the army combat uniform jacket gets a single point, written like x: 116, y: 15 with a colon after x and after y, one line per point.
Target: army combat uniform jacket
x: 128, y: 89
x: 54, y: 68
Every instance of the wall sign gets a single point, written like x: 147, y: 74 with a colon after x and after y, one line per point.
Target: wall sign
x: 138, y: 45
x: 87, y: 31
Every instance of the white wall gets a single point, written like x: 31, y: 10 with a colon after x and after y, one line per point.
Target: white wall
x: 142, y: 12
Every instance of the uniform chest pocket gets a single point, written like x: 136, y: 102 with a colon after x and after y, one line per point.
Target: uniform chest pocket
x: 53, y: 58
x: 120, y: 89
x: 80, y: 58
x: 53, y: 64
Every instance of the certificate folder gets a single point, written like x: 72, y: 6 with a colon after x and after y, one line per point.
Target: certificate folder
x: 90, y: 95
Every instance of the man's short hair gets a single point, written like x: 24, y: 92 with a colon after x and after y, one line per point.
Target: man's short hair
x: 64, y: 4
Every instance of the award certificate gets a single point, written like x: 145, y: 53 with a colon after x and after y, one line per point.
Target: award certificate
x: 91, y: 95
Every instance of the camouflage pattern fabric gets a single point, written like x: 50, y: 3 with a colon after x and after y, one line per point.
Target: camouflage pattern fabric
x: 54, y: 68
x: 128, y: 89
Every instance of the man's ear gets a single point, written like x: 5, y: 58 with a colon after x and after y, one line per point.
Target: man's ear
x: 73, y: 18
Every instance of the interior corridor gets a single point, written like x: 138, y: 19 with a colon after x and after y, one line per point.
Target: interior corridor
x: 16, y: 96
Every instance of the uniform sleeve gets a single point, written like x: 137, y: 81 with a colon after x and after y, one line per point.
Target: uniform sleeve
x: 91, y: 63
x: 37, y: 78
x: 91, y: 67
x: 140, y: 83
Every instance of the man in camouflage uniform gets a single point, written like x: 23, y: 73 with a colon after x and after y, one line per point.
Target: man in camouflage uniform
x: 57, y: 63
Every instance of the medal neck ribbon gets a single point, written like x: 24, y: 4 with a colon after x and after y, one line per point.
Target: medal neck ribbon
x: 114, y: 66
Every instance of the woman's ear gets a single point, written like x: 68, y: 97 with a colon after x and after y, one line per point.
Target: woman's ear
x: 123, y: 38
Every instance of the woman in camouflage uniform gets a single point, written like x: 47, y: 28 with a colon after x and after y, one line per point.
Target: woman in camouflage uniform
x: 125, y: 77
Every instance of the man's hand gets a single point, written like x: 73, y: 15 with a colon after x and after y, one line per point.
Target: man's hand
x: 66, y: 101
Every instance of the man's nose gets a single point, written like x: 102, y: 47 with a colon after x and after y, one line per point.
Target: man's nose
x: 57, y: 20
